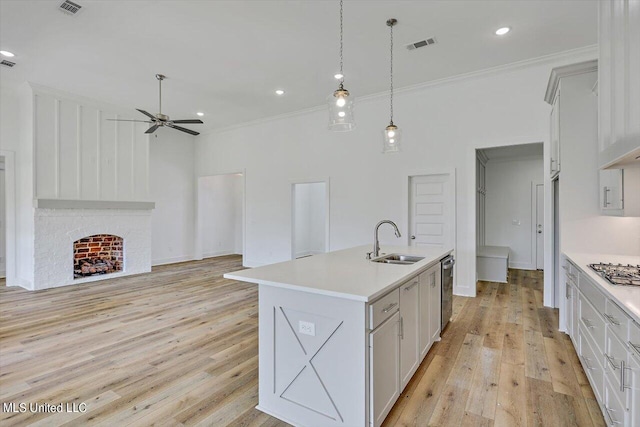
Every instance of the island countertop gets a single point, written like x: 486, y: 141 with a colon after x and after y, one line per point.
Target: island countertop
x: 345, y: 273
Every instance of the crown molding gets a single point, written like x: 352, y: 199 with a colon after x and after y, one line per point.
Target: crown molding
x: 566, y: 71
x: 573, y: 55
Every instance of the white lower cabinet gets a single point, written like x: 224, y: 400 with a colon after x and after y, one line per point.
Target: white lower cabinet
x: 385, y: 368
x: 605, y: 340
x: 405, y: 324
x: 409, y: 325
x: 632, y: 374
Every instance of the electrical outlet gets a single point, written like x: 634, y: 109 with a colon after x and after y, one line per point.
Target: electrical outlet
x: 307, y: 328
x: 515, y: 222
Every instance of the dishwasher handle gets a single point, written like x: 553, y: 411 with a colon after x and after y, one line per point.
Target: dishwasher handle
x: 448, y: 264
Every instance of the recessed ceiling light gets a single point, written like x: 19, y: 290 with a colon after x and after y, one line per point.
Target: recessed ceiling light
x: 339, y: 76
x: 279, y: 92
x: 6, y: 53
x: 502, y: 31
x: 199, y: 113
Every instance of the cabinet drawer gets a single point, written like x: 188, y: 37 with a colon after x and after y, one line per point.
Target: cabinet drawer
x: 634, y: 339
x: 592, y: 323
x: 384, y: 308
x: 593, y: 294
x: 614, y: 410
x: 571, y: 271
x: 592, y: 365
x: 615, y: 356
x: 617, y: 320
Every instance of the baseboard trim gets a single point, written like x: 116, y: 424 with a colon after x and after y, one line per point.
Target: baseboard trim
x: 173, y: 260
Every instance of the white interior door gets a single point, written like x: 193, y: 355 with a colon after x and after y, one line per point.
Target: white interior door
x: 539, y: 227
x: 431, y: 218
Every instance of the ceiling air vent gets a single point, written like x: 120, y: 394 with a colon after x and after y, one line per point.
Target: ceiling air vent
x: 7, y: 63
x: 69, y: 7
x: 422, y: 43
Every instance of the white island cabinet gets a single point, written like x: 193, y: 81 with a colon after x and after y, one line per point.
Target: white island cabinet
x: 340, y: 336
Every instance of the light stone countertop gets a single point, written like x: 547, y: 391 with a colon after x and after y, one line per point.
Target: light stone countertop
x: 627, y: 297
x: 345, y: 273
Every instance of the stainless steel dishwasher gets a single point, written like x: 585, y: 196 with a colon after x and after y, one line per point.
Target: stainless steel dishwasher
x: 447, y: 289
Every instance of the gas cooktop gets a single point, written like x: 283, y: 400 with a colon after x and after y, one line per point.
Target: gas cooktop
x: 624, y: 275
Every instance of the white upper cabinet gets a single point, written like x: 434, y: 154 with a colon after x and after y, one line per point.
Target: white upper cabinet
x: 619, y: 82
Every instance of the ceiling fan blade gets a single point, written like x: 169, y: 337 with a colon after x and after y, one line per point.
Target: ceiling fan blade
x: 146, y: 114
x: 124, y: 120
x: 192, y: 132
x: 194, y: 121
x: 152, y: 129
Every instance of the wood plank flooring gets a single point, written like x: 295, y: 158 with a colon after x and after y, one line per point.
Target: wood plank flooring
x: 178, y: 347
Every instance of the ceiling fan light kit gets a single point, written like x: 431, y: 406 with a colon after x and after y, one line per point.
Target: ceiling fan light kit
x: 163, y: 120
x: 340, y: 102
x: 391, y: 134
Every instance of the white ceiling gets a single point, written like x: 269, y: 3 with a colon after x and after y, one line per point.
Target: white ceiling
x: 226, y: 58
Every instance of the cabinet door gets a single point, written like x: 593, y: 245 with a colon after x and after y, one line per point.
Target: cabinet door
x: 435, y: 303
x: 575, y: 312
x: 409, y: 325
x: 568, y: 303
x: 611, y: 198
x: 632, y: 375
x: 424, y: 329
x: 384, y: 368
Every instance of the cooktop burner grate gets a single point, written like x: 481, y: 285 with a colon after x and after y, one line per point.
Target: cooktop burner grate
x: 618, y: 274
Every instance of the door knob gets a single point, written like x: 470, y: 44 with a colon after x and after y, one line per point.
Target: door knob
x: 413, y: 237
x: 539, y: 231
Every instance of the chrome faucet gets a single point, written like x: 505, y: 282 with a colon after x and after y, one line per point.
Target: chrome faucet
x: 376, y: 244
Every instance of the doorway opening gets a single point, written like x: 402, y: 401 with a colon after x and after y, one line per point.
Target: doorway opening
x: 220, y: 215
x: 510, y: 211
x: 309, y: 218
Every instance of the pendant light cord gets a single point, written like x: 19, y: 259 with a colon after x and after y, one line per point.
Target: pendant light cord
x: 341, y: 56
x: 391, y: 74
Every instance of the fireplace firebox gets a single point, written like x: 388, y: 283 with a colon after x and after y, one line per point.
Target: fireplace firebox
x: 97, y: 254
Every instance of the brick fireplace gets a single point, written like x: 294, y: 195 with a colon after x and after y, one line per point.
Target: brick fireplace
x: 97, y: 254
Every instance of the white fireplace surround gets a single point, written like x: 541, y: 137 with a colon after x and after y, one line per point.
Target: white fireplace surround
x: 55, y: 231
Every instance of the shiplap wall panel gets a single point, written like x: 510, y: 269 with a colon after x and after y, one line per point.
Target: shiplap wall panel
x: 45, y: 147
x: 68, y: 150
x: 108, y: 159
x: 124, y: 174
x: 141, y: 162
x: 80, y: 155
x: 89, y: 153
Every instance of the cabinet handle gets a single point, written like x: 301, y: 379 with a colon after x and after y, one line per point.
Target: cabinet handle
x: 389, y: 307
x: 401, y: 328
x: 606, y: 196
x: 635, y: 347
x: 622, y: 369
x: 608, y: 412
x: 611, y: 319
x: 584, y: 359
x: 567, y: 290
x: 610, y: 360
x: 587, y: 323
x: 411, y: 285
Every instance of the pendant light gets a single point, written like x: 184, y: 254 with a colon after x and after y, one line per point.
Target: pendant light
x: 391, y: 133
x: 340, y: 102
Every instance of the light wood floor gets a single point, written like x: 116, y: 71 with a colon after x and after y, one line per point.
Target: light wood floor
x: 179, y: 347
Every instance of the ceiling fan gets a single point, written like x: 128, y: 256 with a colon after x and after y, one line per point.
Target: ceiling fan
x: 160, y: 119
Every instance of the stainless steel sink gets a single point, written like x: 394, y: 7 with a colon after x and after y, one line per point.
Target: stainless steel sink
x: 398, y: 259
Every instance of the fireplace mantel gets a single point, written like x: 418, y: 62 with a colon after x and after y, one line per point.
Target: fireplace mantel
x: 91, y: 204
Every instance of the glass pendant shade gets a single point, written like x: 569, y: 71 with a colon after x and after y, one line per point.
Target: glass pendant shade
x: 391, y: 137
x: 340, y: 105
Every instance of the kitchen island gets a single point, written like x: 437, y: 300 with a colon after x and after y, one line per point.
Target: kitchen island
x: 340, y: 335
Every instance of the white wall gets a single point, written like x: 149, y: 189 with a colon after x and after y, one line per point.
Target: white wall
x: 443, y: 124
x: 220, y: 214
x: 582, y: 227
x: 172, y: 186
x: 309, y: 218
x: 509, y: 197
